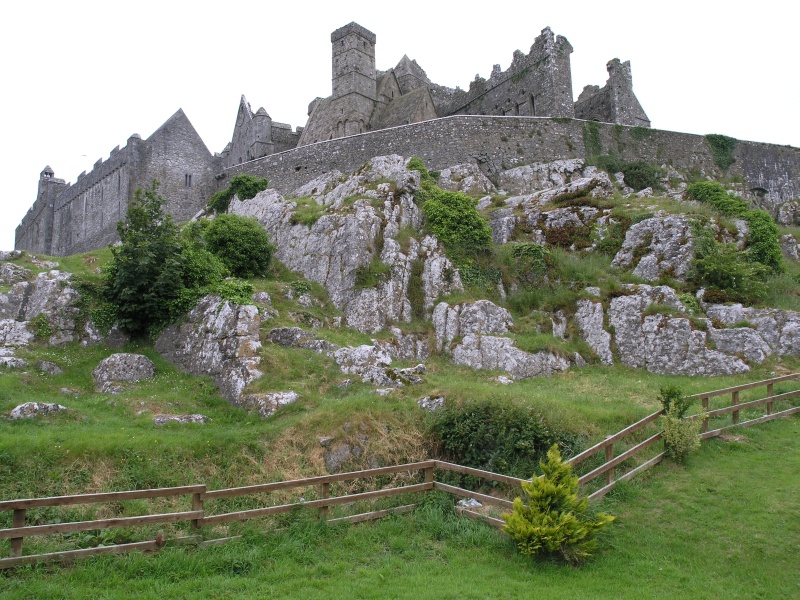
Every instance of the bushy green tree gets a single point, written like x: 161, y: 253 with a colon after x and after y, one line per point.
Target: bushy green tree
x: 241, y: 243
x: 146, y: 271
x: 555, y: 520
x: 243, y: 186
x: 681, y: 435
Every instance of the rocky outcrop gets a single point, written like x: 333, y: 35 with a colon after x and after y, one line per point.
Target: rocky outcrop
x: 12, y: 273
x: 659, y: 343
x: 657, y: 247
x: 477, y: 318
x: 499, y: 353
x: 404, y: 346
x: 466, y: 178
x: 122, y: 368
x: 31, y: 410
x: 219, y: 339
x: 51, y: 295
x: 540, y: 176
x: 589, y: 319
x: 295, y: 337
x: 779, y: 330
x: 364, y: 215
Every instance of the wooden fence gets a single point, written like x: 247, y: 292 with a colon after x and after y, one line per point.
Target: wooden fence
x: 199, y: 496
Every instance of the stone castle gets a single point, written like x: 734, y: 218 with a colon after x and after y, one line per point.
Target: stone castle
x: 522, y: 115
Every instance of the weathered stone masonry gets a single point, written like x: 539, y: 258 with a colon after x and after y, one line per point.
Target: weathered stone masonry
x: 770, y: 172
x: 515, y: 117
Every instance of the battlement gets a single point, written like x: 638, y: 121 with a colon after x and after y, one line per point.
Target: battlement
x: 353, y: 28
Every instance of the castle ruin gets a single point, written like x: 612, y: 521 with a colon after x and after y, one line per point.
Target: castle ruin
x: 522, y: 115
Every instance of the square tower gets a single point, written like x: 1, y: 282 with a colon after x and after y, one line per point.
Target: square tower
x: 353, y: 62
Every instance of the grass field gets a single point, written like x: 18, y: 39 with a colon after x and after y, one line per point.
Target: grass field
x: 724, y: 526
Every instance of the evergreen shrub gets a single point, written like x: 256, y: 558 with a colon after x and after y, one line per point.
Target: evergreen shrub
x: 555, y: 520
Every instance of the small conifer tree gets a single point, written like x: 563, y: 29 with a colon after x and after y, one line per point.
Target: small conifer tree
x: 555, y: 520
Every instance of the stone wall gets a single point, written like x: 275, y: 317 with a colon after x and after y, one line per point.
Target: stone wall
x: 500, y: 143
x: 85, y: 214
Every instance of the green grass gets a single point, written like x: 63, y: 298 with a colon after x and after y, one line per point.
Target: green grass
x: 724, y: 526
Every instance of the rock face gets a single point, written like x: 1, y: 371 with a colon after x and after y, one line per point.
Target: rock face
x: 122, y: 368
x: 664, y: 244
x: 478, y: 318
x: 404, y: 346
x: 768, y: 330
x: 589, y: 320
x: 660, y: 343
x: 540, y: 176
x: 363, y: 218
x: 218, y: 338
x: 51, y: 295
x: 499, y: 353
x: 30, y: 410
x: 466, y: 178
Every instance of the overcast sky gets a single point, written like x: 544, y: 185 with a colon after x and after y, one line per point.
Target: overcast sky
x: 80, y: 77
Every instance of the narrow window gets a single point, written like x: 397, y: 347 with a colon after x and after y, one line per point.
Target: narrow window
x: 187, y: 180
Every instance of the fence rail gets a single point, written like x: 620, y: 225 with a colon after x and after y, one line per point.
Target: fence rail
x: 199, y: 516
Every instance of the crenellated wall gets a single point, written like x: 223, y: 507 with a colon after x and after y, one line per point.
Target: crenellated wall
x: 83, y: 216
x: 770, y: 172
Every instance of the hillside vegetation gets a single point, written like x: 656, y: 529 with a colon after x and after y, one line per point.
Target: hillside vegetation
x: 539, y: 273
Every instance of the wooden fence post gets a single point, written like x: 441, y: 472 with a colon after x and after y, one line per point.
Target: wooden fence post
x: 734, y: 402
x: 704, y: 402
x: 428, y: 474
x: 609, y: 457
x: 197, y: 504
x: 326, y: 493
x: 18, y: 520
x: 770, y: 392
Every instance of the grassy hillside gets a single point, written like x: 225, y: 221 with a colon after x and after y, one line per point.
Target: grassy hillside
x: 724, y: 526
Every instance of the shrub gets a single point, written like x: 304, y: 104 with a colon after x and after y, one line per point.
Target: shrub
x: 241, y: 243
x: 454, y: 220
x: 762, y: 241
x: 41, y: 327
x: 681, y: 435
x: 731, y: 278
x: 242, y: 186
x: 638, y: 174
x: 451, y: 216
x: 494, y: 435
x: 555, y: 520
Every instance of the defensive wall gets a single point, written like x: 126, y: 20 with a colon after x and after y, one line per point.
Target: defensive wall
x: 81, y: 217
x: 498, y: 143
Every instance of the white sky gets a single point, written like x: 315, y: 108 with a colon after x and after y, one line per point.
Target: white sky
x: 79, y: 77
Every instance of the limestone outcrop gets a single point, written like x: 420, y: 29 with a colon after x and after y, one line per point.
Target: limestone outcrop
x: 360, y: 226
x: 219, y: 339
x: 657, y: 247
x: 122, y: 368
x: 31, y: 410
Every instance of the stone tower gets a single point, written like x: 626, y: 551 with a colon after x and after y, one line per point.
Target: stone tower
x: 354, y: 78
x: 615, y: 102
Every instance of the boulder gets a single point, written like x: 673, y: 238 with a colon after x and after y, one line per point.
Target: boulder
x: 779, y: 329
x: 657, y: 247
x: 431, y: 403
x: 466, y: 178
x: 30, y: 410
x: 218, y: 338
x: 49, y: 368
x: 267, y: 404
x: 122, y: 368
x: 499, y: 353
x: 181, y: 419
